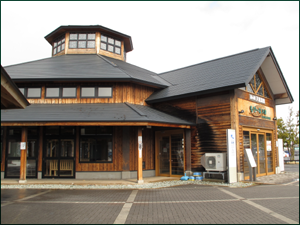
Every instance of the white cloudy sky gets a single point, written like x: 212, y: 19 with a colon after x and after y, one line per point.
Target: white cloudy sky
x: 165, y: 35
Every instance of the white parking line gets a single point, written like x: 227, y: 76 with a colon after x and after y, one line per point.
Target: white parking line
x: 121, y: 219
x: 264, y: 209
x: 31, y: 196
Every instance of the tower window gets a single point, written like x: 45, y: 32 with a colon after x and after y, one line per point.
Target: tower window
x: 110, y: 44
x: 82, y: 40
x: 59, y: 45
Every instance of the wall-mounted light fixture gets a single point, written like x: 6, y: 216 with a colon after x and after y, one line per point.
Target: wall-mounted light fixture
x: 258, y: 129
x: 242, y: 111
x: 275, y: 118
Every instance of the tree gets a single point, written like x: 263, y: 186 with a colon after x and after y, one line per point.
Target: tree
x: 289, y: 131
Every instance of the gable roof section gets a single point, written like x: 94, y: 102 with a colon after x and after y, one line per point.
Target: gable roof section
x: 221, y: 74
x: 103, y: 112
x: 215, y: 75
x: 82, y: 67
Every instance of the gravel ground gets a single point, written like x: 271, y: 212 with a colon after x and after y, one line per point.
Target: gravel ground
x: 134, y: 186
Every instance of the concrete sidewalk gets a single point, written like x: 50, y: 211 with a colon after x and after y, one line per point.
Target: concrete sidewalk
x: 291, y: 174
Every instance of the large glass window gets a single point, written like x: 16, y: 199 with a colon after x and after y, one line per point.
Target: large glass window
x: 82, y: 40
x: 96, y: 144
x: 110, y: 44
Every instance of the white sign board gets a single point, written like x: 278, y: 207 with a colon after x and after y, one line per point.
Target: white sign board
x: 257, y: 99
x: 231, y: 156
x: 140, y: 141
x: 250, y: 157
x: 280, y: 154
x: 269, y: 146
x: 23, y: 145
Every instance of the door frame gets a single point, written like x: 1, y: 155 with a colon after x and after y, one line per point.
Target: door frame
x: 158, y: 136
x: 59, y: 158
x: 258, y: 131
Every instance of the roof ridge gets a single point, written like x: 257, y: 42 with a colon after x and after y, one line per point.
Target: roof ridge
x: 156, y: 74
x: 135, y: 109
x: 212, y: 60
x: 114, y: 65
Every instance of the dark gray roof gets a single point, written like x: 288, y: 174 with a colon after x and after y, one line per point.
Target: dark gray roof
x: 220, y: 74
x: 104, y: 112
x: 82, y: 67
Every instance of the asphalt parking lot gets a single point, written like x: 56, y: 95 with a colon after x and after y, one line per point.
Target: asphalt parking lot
x: 188, y: 204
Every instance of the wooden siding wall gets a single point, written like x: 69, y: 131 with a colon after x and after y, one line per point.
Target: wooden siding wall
x: 122, y: 92
x: 213, y: 112
x: 117, y: 164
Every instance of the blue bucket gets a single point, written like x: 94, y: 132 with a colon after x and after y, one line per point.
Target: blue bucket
x: 197, y: 173
x: 199, y: 178
x: 191, y: 178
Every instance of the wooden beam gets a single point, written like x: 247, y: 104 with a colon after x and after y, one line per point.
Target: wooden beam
x: 23, y: 158
x: 282, y: 95
x: 188, y: 150
x: 40, y: 153
x: 93, y: 124
x: 140, y: 157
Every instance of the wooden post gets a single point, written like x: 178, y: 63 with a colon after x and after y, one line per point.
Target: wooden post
x: 188, y: 152
x: 23, y: 158
x: 140, y: 157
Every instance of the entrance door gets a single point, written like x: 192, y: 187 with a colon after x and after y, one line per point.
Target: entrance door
x: 59, y: 152
x: 170, y: 153
x: 260, y: 144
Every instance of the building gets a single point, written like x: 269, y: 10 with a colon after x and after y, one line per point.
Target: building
x: 95, y: 116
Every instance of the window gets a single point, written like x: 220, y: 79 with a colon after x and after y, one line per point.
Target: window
x: 110, y: 44
x: 60, y: 92
x: 98, y: 92
x: 59, y: 45
x: 31, y: 92
x: 257, y: 86
x: 96, y: 144
x: 82, y: 40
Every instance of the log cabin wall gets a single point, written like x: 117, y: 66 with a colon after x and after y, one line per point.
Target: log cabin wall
x: 213, y: 119
x: 122, y: 92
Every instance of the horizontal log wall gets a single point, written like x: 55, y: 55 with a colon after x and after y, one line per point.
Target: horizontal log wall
x: 122, y: 92
x: 213, y: 115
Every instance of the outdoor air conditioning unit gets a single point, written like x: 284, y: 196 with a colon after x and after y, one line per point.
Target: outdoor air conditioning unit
x: 214, y: 161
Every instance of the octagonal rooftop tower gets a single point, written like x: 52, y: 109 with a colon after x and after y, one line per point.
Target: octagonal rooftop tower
x: 96, y: 39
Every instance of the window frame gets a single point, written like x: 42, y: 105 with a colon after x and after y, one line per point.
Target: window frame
x: 96, y: 91
x: 94, y: 137
x: 33, y: 97
x: 86, y: 40
x: 255, y: 89
x: 60, y: 89
x: 114, y: 45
